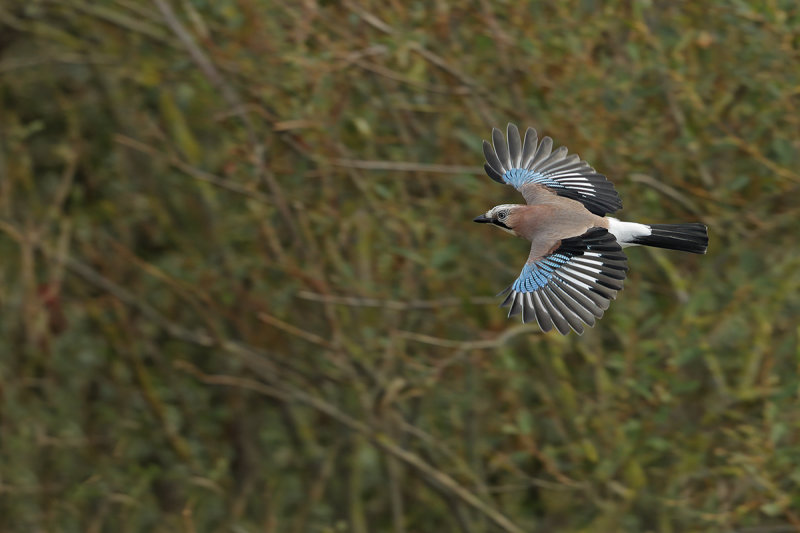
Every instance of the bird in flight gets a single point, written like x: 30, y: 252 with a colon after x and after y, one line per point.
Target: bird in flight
x: 576, y: 264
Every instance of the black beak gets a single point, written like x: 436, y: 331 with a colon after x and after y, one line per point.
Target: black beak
x: 483, y: 219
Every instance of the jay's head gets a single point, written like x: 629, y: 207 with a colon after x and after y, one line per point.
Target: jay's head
x: 503, y: 216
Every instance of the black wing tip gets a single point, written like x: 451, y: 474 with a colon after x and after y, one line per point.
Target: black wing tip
x: 600, y: 204
x: 492, y: 173
x: 511, y: 151
x: 553, y: 308
x: 498, y: 138
x: 493, y: 167
x: 503, y: 293
x: 603, y: 251
x: 594, y: 236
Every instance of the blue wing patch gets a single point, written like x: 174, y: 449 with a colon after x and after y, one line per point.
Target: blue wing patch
x: 517, y: 177
x: 519, y: 163
x: 536, y: 275
x: 571, y: 286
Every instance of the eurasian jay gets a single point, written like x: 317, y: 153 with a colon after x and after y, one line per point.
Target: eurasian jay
x: 576, y: 264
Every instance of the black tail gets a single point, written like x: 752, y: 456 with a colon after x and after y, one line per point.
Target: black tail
x: 692, y: 237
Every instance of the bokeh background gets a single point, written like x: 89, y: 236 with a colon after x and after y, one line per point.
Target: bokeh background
x: 241, y: 289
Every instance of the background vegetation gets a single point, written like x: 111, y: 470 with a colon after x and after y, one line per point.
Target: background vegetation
x: 241, y: 290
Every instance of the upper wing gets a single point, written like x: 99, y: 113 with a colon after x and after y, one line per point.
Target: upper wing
x: 570, y: 286
x: 528, y: 164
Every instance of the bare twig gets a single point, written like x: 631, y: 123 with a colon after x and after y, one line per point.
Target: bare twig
x: 275, y: 388
x: 198, y: 56
x: 294, y: 330
x: 148, y: 391
x: 233, y: 100
x: 285, y: 391
x: 354, y: 301
x: 404, y: 166
x: 369, y: 18
x: 119, y: 18
x: 396, y: 494
x: 680, y: 119
x: 759, y: 156
x: 666, y: 190
x: 477, y: 91
x: 196, y: 173
x: 9, y: 65
x: 260, y: 359
x: 470, y: 345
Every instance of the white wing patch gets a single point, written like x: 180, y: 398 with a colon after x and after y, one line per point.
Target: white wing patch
x: 626, y: 232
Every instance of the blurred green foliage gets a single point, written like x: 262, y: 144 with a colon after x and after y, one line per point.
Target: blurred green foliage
x: 241, y: 289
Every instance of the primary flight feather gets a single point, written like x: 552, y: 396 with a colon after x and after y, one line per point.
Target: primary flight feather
x: 576, y: 264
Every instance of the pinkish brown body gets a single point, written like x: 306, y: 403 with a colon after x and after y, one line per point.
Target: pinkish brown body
x: 546, y: 222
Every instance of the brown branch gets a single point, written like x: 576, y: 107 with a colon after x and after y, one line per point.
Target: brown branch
x: 233, y: 100
x: 759, y: 156
x: 354, y: 301
x: 196, y: 173
x: 259, y: 359
x: 666, y: 190
x: 119, y: 18
x: 294, y: 330
x: 479, y: 93
x: 404, y: 166
x: 198, y: 56
x: 275, y: 387
x: 148, y: 391
x: 286, y: 392
x: 470, y: 345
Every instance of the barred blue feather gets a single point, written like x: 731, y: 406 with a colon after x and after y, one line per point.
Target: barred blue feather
x: 571, y: 286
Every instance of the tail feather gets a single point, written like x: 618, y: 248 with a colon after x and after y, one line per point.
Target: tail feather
x: 691, y: 237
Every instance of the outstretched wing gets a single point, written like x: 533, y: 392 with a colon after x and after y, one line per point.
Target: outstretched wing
x: 529, y: 164
x: 572, y: 285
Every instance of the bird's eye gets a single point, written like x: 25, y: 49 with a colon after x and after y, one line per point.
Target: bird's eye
x: 501, y: 215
